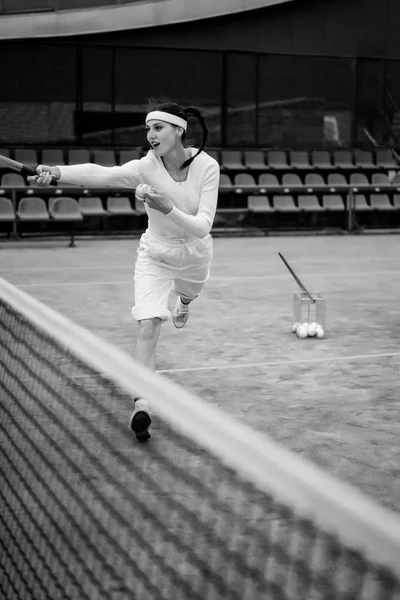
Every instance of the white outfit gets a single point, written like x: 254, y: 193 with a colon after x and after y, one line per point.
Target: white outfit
x: 176, y: 249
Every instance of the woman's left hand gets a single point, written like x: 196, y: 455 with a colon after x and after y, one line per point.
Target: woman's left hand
x: 158, y: 202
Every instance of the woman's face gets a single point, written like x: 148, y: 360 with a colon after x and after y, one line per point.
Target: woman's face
x: 162, y: 136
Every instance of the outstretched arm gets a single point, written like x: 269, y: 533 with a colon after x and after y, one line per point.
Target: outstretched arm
x: 92, y: 175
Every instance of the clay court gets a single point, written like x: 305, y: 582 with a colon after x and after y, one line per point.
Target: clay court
x: 334, y: 401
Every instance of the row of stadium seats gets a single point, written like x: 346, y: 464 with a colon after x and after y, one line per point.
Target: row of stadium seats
x: 35, y: 214
x: 229, y: 160
x: 241, y: 181
x: 56, y: 156
x: 311, y: 203
x: 64, y: 209
x: 35, y: 208
x: 293, y: 160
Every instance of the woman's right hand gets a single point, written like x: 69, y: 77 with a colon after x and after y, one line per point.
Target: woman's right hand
x: 45, y: 175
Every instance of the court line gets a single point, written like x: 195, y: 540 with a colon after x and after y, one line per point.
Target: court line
x: 283, y: 363
x: 213, y: 278
x: 118, y: 267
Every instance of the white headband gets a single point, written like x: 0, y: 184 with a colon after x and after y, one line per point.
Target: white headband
x: 159, y: 115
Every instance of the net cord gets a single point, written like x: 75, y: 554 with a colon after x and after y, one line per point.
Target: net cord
x: 335, y: 506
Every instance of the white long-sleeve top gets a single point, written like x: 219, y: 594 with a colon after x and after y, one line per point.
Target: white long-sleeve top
x: 195, y: 200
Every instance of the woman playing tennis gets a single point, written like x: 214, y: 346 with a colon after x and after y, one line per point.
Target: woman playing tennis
x: 176, y: 249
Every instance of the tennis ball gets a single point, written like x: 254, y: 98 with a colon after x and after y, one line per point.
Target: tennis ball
x: 320, y: 332
x: 294, y: 327
x: 141, y: 190
x: 302, y: 330
x: 312, y: 329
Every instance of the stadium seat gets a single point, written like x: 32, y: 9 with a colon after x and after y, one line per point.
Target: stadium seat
x: 259, y: 204
x: 364, y: 159
x: 232, y: 160
x: 361, y: 204
x: 277, y: 160
x: 321, y: 159
x: 7, y: 213
x: 52, y: 156
x: 381, y: 202
x: 128, y: 155
x: 245, y: 182
x: 78, y: 156
x: 291, y: 179
x: 26, y: 156
x: 225, y: 184
x: 268, y: 179
x: 91, y: 206
x: 32, y: 208
x: 254, y: 159
x: 333, y: 202
x: 300, y: 160
x: 380, y: 179
x: 358, y: 179
x: 385, y: 159
x: 120, y: 205
x: 105, y: 158
x: 214, y: 154
x: 12, y: 180
x: 309, y: 203
x: 285, y: 204
x: 343, y: 159
x: 66, y: 209
x: 336, y: 180
x: 314, y: 179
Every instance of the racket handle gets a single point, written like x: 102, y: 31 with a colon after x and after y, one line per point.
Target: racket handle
x: 25, y: 170
x: 299, y: 283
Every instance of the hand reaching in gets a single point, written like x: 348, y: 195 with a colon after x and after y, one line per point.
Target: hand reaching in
x: 158, y: 201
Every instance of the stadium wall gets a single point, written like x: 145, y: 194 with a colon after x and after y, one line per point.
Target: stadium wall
x: 334, y: 27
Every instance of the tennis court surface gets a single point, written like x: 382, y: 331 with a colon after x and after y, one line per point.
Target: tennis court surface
x: 90, y: 513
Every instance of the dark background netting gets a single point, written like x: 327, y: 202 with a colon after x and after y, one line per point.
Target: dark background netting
x: 98, y: 95
x: 86, y: 512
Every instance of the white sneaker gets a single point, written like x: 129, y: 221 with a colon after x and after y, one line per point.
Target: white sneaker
x: 180, y: 314
x: 141, y: 420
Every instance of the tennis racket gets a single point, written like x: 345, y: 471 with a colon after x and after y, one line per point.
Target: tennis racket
x: 302, y: 287
x: 14, y: 165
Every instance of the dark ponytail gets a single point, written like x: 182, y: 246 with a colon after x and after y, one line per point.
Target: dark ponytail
x: 191, y: 110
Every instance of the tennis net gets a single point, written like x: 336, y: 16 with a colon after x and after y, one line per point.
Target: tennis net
x: 208, y: 509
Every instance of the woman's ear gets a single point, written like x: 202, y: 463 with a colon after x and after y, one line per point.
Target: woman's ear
x: 179, y: 131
